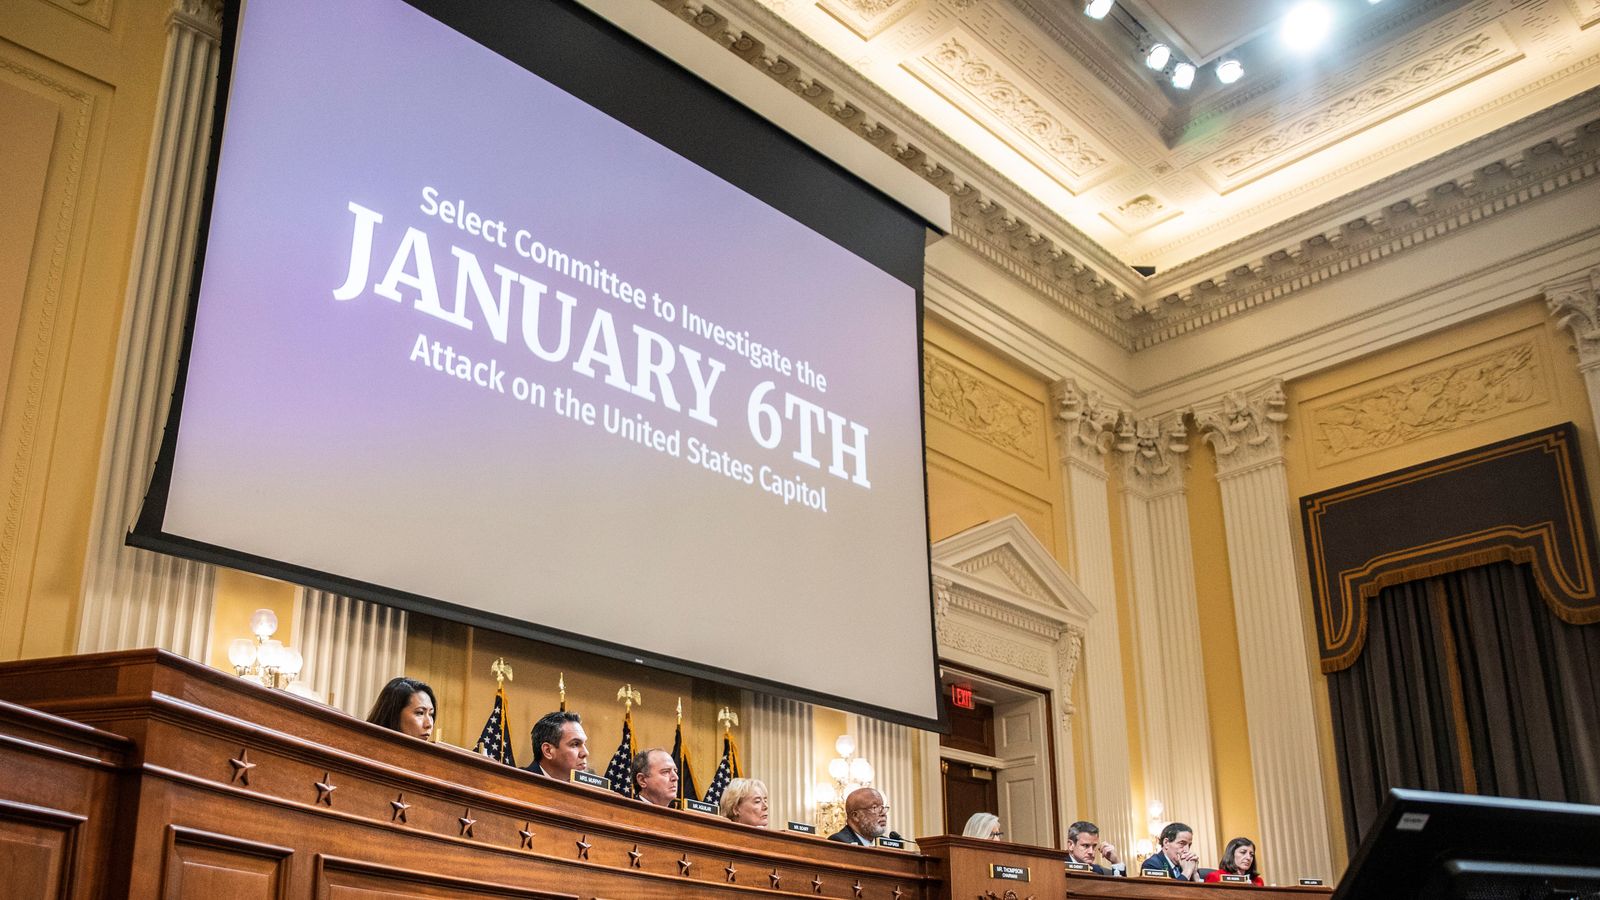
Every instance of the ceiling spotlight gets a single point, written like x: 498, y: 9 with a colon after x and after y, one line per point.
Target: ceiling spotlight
x: 1158, y: 57
x: 1305, y: 26
x: 1229, y: 71
x: 1182, y: 76
x: 1097, y: 9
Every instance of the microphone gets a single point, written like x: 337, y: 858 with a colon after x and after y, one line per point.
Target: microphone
x: 895, y: 836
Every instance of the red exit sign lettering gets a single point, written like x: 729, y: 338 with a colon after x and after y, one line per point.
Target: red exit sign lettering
x: 961, y: 695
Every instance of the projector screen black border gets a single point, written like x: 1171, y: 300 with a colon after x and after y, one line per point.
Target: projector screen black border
x: 747, y: 151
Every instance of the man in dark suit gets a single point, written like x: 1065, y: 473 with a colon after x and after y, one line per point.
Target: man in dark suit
x: 1177, y: 857
x: 1083, y: 845
x: 866, y: 818
x: 559, y: 746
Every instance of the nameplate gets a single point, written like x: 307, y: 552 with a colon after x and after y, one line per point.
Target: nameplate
x: 1008, y: 873
x: 1074, y: 866
x: 1235, y: 879
x: 802, y: 828
x: 891, y: 843
x: 579, y: 776
x: 1154, y: 873
x: 1311, y: 882
x: 699, y: 806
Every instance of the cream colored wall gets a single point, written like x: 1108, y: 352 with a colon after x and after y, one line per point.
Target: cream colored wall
x: 81, y: 81
x: 1491, y: 378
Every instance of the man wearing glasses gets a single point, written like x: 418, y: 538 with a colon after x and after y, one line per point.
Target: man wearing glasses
x: 866, y: 818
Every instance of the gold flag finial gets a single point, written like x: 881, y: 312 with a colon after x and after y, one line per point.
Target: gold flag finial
x: 561, y: 685
x: 629, y: 697
x: 680, y: 710
x: 502, y: 672
x: 727, y: 718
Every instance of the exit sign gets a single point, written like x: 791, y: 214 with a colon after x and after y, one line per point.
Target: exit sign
x: 961, y: 695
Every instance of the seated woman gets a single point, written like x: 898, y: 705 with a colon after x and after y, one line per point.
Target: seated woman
x: 983, y: 825
x: 1238, y: 858
x: 407, y: 706
x: 744, y: 800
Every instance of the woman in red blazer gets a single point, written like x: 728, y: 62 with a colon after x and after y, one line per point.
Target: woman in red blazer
x: 1238, y: 858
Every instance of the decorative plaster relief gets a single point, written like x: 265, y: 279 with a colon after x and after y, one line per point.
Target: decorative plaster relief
x: 868, y: 18
x: 1003, y: 103
x: 991, y: 647
x: 1153, y: 452
x: 1389, y: 95
x: 1433, y: 402
x: 96, y: 11
x: 1085, y: 421
x: 983, y: 409
x: 1013, y: 569
x: 1139, y: 213
x: 1586, y: 11
x: 1245, y: 428
x: 1575, y: 304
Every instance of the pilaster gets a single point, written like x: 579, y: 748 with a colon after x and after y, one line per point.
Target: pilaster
x: 1247, y: 431
x: 1085, y: 422
x: 134, y: 598
x: 1172, y: 689
x: 1575, y: 304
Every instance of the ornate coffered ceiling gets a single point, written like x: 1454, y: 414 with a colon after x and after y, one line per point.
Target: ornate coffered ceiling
x: 1069, y: 163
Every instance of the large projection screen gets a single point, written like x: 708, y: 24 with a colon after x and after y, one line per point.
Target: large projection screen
x: 501, y: 317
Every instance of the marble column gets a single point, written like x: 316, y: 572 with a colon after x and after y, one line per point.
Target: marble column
x: 1084, y: 428
x: 1174, y: 711
x: 1246, y: 428
x: 134, y: 598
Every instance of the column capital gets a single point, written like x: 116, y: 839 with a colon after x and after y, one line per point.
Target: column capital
x: 1575, y: 304
x: 1152, y: 452
x: 1085, y: 422
x: 203, y: 16
x: 1245, y: 427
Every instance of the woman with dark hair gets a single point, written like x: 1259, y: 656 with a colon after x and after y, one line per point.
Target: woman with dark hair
x: 407, y: 706
x: 1238, y: 858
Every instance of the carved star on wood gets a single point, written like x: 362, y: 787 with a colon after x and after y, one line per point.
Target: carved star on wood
x: 467, y: 821
x: 242, y: 767
x: 634, y: 857
x: 583, y: 847
x: 526, y: 833
x: 325, y: 789
x: 776, y: 879
x: 733, y: 874
x: 816, y: 884
x: 898, y: 893
x: 683, y: 866
x: 856, y: 887
x: 399, y: 805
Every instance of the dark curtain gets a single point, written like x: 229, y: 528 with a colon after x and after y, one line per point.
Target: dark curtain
x: 1468, y: 682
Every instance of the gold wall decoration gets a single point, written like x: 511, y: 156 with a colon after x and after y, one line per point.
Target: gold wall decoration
x: 1432, y: 402
x: 983, y: 409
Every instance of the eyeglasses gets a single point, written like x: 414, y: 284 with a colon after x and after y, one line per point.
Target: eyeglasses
x: 876, y: 809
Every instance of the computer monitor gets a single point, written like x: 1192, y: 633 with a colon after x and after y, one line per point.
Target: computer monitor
x: 1432, y: 846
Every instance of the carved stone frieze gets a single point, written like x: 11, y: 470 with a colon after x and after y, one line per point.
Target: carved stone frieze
x: 1085, y: 423
x: 1245, y: 428
x: 972, y: 601
x: 868, y: 18
x: 1001, y: 99
x: 1152, y: 452
x: 983, y: 409
x: 992, y: 647
x: 1011, y: 567
x: 1433, y: 402
x: 1393, y: 92
x: 1575, y: 304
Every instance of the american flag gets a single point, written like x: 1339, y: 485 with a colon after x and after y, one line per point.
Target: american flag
x: 618, y: 771
x: 495, y: 741
x: 680, y: 755
x: 727, y: 770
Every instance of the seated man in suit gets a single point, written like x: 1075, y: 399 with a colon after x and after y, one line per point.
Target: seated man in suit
x: 866, y: 818
x: 655, y: 776
x: 1083, y: 845
x: 559, y: 746
x: 1177, y: 857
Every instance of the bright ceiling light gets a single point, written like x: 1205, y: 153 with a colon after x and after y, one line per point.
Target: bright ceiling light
x: 1097, y: 9
x: 1182, y: 76
x: 1305, y: 26
x: 1229, y: 71
x: 1158, y: 57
